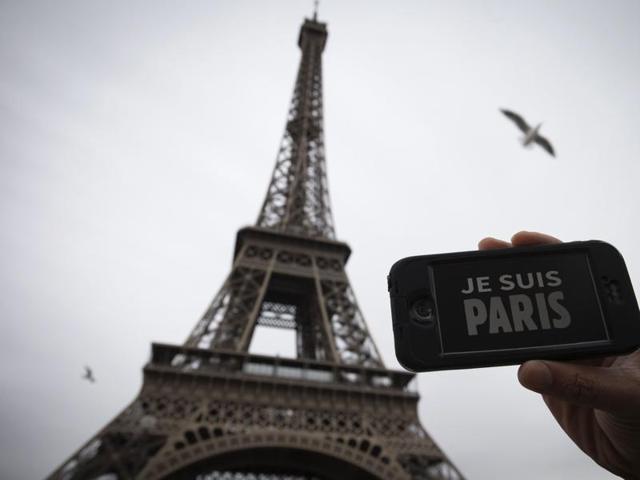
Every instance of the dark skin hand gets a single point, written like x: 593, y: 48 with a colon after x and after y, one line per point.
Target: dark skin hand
x: 595, y: 401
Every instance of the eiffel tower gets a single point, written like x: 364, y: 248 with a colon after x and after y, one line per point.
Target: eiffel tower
x: 210, y: 410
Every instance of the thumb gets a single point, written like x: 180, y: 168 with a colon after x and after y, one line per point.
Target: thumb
x: 602, y: 388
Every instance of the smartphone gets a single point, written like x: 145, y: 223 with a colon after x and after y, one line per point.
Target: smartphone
x: 501, y: 307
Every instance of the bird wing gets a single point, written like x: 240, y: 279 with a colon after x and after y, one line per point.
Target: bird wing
x: 517, y: 119
x: 544, y: 143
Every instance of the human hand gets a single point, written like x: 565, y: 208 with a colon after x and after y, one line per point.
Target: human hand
x: 595, y: 401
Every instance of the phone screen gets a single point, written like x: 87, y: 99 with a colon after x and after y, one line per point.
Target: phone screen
x: 514, y: 303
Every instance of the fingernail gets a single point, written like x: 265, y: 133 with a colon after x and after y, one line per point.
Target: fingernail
x: 535, y: 375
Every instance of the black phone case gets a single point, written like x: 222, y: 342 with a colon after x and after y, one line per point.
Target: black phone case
x: 419, y: 345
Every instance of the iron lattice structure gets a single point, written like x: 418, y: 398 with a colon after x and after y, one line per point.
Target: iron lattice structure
x: 297, y: 200
x: 210, y: 410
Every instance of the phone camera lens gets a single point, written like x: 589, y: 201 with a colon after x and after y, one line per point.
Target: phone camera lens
x: 423, y: 310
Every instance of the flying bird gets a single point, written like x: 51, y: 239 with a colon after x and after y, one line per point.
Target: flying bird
x: 88, y: 375
x: 530, y: 134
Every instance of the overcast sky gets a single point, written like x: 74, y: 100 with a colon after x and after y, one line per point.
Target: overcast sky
x: 137, y: 137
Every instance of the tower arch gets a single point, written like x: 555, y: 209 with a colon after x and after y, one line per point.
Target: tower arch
x: 277, y: 456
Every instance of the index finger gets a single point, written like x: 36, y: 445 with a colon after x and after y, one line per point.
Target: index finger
x: 490, y: 243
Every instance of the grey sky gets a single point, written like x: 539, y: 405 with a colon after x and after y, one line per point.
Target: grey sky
x: 137, y: 137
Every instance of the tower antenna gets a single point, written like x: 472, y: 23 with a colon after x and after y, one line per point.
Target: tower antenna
x: 315, y: 9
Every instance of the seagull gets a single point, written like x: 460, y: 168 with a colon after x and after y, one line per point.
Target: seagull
x: 88, y: 375
x: 530, y: 134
